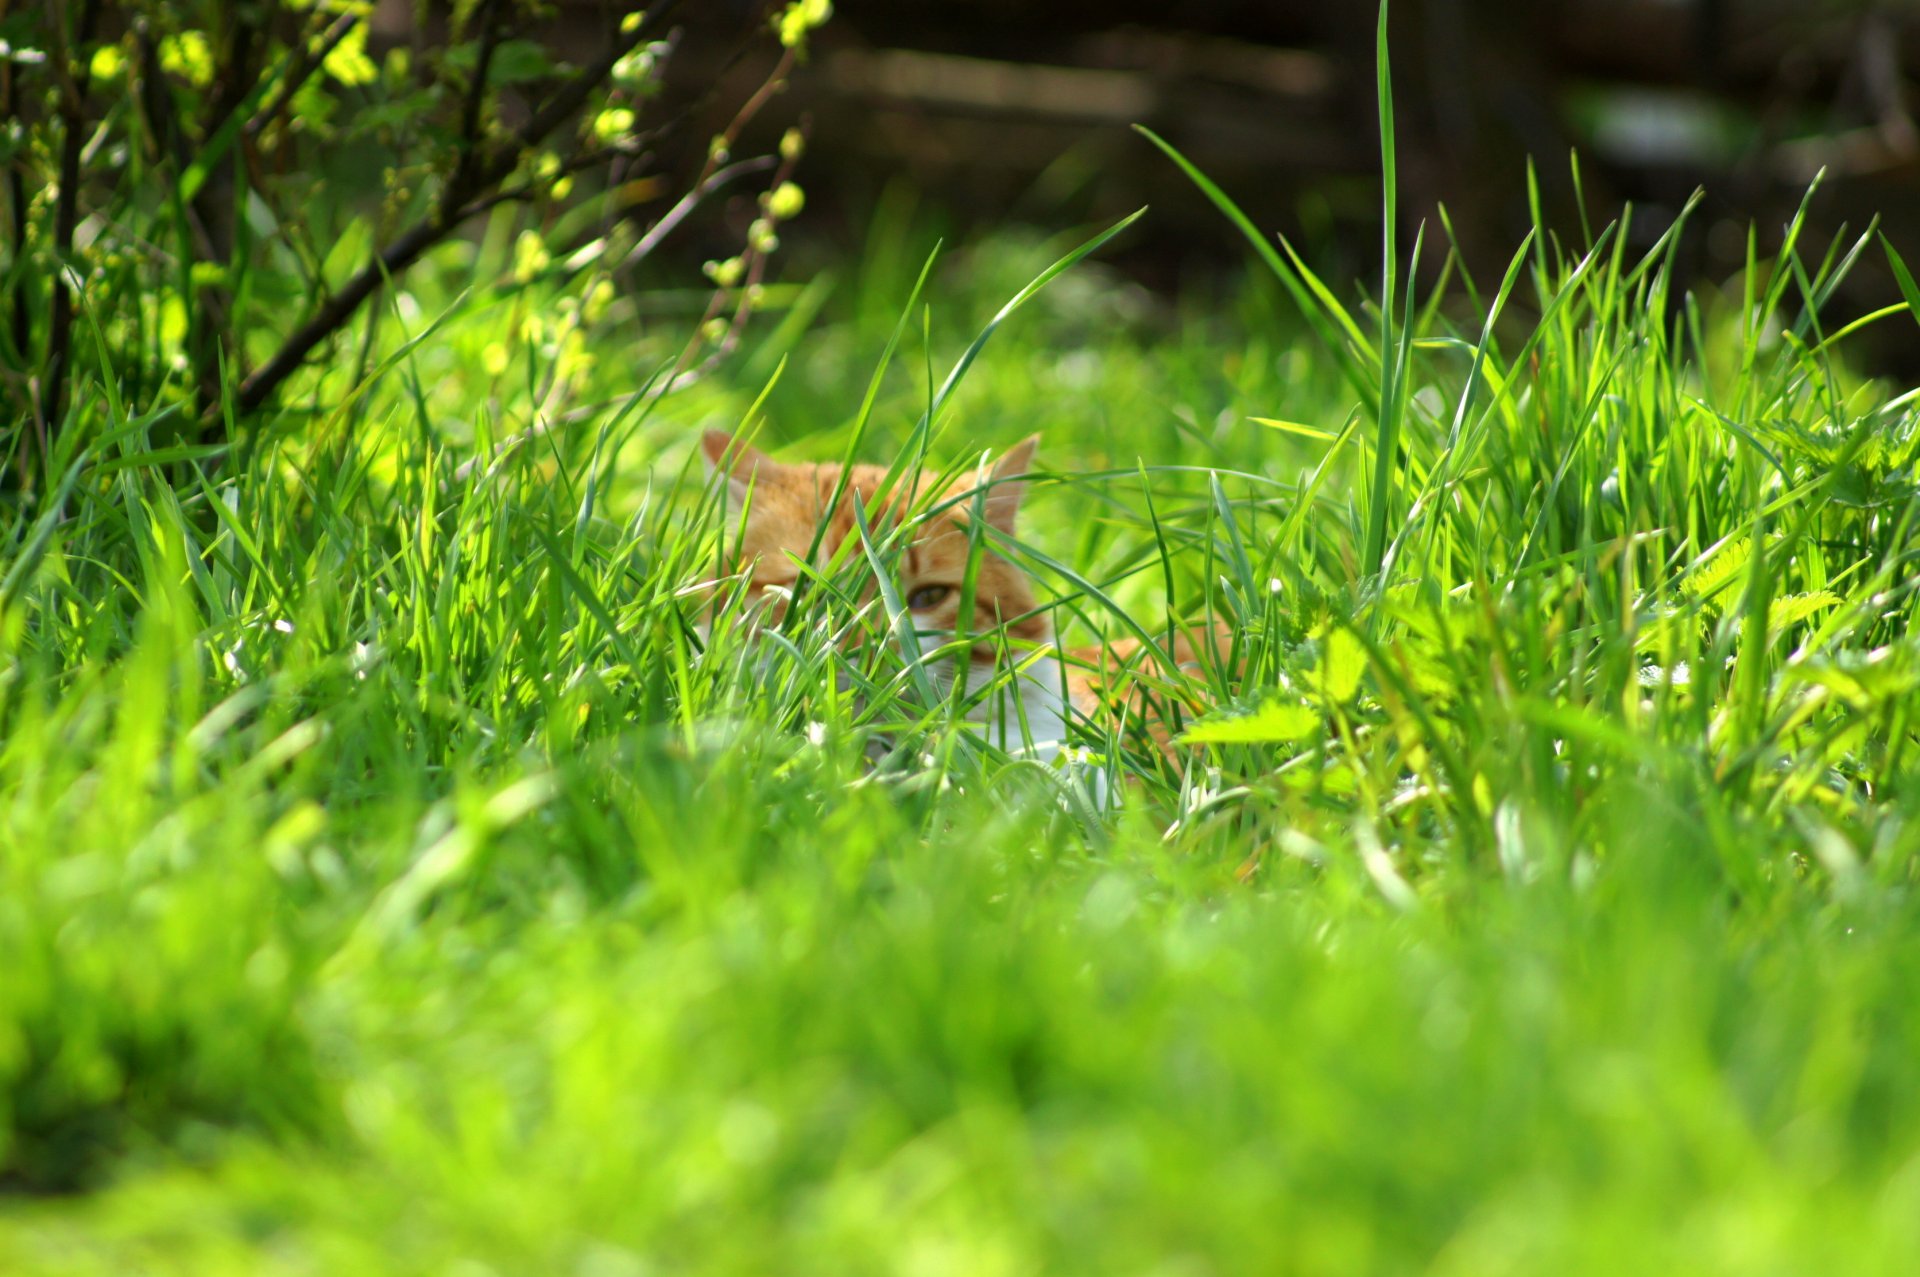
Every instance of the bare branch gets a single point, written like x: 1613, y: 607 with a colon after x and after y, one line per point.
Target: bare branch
x: 717, y: 180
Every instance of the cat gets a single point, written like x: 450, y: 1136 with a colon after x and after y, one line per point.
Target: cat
x: 1034, y: 691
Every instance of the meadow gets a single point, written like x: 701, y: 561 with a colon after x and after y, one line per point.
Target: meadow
x: 396, y: 879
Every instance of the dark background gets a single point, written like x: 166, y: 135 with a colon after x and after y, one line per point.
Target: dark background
x: 1019, y: 110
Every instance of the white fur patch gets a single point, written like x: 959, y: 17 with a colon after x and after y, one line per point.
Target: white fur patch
x: 1025, y: 710
x: 1025, y: 714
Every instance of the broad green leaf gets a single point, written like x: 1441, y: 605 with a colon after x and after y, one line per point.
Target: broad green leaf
x: 1794, y: 608
x: 1710, y: 574
x: 1342, y: 662
x: 1275, y: 721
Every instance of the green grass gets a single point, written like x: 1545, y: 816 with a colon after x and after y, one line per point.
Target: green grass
x: 392, y: 884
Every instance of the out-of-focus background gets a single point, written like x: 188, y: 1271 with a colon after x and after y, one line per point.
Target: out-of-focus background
x: 990, y: 111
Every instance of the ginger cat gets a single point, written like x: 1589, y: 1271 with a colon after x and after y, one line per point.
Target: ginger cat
x: 1045, y: 690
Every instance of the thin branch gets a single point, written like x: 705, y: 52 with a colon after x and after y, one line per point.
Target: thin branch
x: 542, y: 186
x: 22, y: 321
x: 169, y: 138
x: 337, y: 309
x: 236, y: 78
x: 450, y: 210
x: 675, y: 215
x: 716, y: 181
x: 66, y: 216
x: 617, y: 172
x: 483, y: 64
x: 776, y: 79
x: 307, y: 62
x: 477, y: 90
x: 757, y: 259
x: 571, y: 96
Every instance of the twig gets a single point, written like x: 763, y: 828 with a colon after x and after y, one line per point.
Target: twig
x: 682, y: 375
x: 66, y: 215
x: 450, y: 210
x: 617, y: 171
x: 743, y: 307
x: 22, y: 320
x: 209, y: 335
x: 687, y: 203
x: 469, y: 143
x: 547, y: 424
x: 300, y: 72
x: 750, y: 108
x: 535, y: 187
x: 169, y: 139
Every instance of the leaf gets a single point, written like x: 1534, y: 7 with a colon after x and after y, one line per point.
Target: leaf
x: 520, y: 61
x: 350, y: 247
x: 1908, y: 289
x: 1274, y: 721
x: 1864, y: 680
x: 1791, y: 609
x: 1707, y: 576
x: 187, y: 55
x: 1662, y: 627
x: 1342, y: 662
x: 348, y: 62
x: 1323, y: 327
x: 1420, y: 663
x: 1293, y: 428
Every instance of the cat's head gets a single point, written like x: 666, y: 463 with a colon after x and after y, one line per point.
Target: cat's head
x: 786, y: 504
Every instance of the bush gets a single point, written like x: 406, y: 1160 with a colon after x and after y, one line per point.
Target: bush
x: 202, y: 198
x: 190, y: 226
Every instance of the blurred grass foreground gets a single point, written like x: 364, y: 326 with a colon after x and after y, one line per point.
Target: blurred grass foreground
x: 401, y: 875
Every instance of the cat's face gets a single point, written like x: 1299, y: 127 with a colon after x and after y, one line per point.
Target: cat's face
x: 786, y: 504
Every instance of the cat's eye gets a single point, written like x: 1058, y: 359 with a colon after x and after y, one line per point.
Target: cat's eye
x: 927, y: 597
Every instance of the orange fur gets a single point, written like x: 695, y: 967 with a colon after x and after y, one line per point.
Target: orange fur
x: 789, y: 502
x: 786, y: 503
x: 1123, y: 680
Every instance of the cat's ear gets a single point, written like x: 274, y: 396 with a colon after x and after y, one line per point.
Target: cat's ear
x: 737, y: 460
x: 1009, y: 484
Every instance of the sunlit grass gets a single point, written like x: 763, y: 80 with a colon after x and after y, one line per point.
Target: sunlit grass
x: 396, y: 880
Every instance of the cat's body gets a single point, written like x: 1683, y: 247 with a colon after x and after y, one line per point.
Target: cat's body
x: 1044, y: 690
